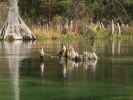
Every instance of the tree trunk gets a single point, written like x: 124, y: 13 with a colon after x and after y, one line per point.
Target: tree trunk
x: 14, y: 26
x: 119, y: 29
x: 112, y: 28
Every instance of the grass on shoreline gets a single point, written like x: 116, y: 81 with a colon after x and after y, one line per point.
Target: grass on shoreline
x: 42, y: 34
x: 69, y: 37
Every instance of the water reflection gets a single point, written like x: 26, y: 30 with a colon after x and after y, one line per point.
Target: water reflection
x: 15, y: 52
x: 69, y: 66
x: 43, y: 69
x: 90, y: 65
x: 74, y: 80
x: 116, y: 47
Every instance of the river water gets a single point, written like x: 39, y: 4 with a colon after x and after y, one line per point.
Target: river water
x: 23, y: 76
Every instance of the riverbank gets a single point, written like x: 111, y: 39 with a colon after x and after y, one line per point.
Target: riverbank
x: 43, y: 33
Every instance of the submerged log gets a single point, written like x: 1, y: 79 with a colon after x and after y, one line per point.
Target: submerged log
x: 42, y: 54
x: 75, y: 56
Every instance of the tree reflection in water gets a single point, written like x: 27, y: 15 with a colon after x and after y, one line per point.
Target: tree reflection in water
x: 43, y: 68
x: 69, y: 66
x: 15, y: 52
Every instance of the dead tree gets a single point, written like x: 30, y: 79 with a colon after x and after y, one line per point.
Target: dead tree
x: 15, y: 27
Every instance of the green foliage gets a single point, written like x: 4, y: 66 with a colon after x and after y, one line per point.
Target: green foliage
x: 96, y: 10
x: 30, y: 8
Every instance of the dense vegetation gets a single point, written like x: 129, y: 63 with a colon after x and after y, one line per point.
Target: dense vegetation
x: 93, y: 10
x: 57, y: 17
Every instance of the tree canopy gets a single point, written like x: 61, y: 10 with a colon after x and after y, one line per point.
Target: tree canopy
x: 96, y: 10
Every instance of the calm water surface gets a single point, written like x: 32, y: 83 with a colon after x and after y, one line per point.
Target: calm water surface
x: 23, y: 76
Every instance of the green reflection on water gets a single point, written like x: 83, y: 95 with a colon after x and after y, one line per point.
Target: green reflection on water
x: 21, y: 76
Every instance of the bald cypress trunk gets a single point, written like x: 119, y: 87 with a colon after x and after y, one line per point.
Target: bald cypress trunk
x: 14, y: 26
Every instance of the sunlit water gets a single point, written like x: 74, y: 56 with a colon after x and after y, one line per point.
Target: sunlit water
x: 23, y: 76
